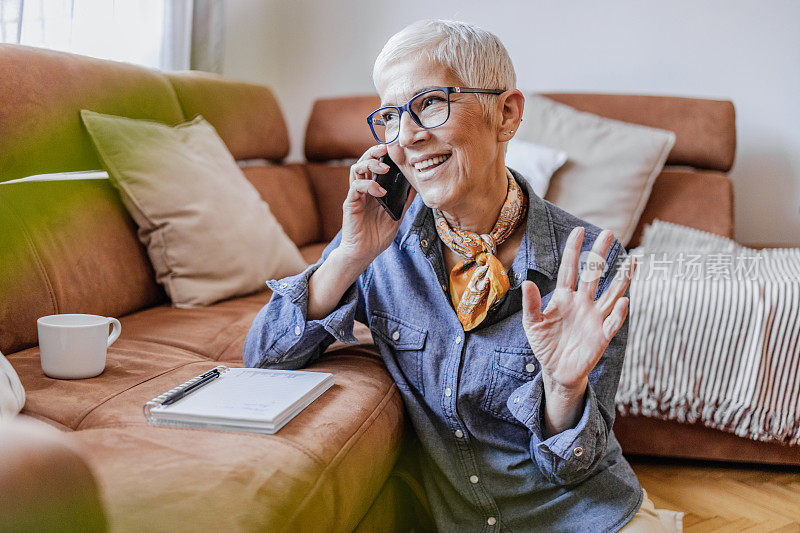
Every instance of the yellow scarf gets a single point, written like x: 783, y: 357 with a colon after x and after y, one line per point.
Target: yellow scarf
x: 479, y: 279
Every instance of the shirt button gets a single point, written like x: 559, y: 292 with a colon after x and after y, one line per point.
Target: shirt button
x: 424, y: 243
x: 491, y: 520
x: 458, y: 339
x: 459, y: 433
x: 578, y: 451
x: 473, y: 479
x: 518, y: 276
x: 284, y: 285
x: 396, y: 335
x: 516, y: 400
x: 448, y: 391
x: 297, y: 330
x: 530, y: 367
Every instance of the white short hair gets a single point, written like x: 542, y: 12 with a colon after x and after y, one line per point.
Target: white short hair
x: 475, y: 56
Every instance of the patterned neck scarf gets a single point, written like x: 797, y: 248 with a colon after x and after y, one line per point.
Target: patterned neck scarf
x: 479, y: 279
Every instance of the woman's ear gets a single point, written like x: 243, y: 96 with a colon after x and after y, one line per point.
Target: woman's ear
x: 512, y: 103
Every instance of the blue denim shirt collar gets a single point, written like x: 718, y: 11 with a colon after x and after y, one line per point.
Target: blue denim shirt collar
x: 544, y: 258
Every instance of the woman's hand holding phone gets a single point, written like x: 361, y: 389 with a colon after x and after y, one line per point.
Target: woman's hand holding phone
x: 367, y: 229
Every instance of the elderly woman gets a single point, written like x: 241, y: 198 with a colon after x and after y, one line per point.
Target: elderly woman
x: 506, y: 351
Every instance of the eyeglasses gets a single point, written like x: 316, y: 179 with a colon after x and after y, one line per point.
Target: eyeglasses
x: 429, y: 109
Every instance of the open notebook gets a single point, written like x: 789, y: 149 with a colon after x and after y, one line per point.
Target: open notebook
x: 241, y: 399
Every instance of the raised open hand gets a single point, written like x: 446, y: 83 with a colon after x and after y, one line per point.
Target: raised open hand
x: 572, y: 333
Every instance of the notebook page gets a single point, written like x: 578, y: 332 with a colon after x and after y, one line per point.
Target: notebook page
x: 247, y: 394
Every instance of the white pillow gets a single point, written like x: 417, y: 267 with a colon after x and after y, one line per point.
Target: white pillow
x: 611, y: 167
x: 535, y: 162
x: 12, y: 395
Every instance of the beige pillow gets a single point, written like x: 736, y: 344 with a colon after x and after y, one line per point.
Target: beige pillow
x: 610, y: 168
x: 208, y: 233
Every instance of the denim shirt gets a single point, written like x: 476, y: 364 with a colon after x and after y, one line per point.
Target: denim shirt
x: 475, y: 399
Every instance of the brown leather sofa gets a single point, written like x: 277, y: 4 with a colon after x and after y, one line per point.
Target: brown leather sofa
x: 70, y: 246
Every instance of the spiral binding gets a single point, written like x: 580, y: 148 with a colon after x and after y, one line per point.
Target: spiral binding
x: 161, y: 398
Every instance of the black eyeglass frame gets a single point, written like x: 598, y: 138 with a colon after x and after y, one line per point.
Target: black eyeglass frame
x: 414, y: 117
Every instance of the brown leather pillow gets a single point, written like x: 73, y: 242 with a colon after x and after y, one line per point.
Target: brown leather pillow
x: 208, y: 233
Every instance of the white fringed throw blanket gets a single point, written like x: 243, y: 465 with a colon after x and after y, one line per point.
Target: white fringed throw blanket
x: 714, y: 334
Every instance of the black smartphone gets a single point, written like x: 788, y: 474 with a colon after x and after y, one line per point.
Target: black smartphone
x: 397, y: 188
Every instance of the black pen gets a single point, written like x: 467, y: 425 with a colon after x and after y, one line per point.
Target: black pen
x: 205, y: 378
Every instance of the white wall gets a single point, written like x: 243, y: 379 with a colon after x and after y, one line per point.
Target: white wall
x: 747, y: 51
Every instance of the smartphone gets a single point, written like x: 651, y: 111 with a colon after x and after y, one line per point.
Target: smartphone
x: 397, y: 188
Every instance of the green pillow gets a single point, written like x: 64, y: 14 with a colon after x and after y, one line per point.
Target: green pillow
x: 208, y: 233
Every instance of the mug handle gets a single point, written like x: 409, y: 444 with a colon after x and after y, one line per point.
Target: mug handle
x: 117, y: 329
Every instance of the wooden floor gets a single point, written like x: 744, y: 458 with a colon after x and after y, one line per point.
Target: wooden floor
x: 723, y: 497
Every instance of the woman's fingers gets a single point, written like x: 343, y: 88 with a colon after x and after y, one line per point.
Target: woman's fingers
x: 364, y: 186
x: 595, y: 264
x: 362, y: 169
x: 368, y: 163
x: 618, y: 286
x: 531, y: 303
x: 614, y: 321
x: 375, y: 151
x: 568, y: 271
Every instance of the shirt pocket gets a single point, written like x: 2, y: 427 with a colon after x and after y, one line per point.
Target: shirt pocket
x: 510, y: 369
x: 406, y: 342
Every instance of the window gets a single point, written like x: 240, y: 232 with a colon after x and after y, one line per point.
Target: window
x: 154, y: 33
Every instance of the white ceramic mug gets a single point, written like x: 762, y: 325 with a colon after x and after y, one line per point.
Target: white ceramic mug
x: 75, y: 346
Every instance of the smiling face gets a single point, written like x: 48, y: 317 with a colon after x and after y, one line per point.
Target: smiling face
x: 449, y: 166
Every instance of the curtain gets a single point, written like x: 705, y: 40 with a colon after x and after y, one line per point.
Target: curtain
x: 208, y: 26
x: 154, y: 33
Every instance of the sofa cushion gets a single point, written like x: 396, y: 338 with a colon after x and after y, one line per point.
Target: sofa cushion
x: 681, y: 194
x: 330, y: 184
x: 247, y: 116
x: 215, y: 333
x: 208, y: 233
x: 42, y: 92
x: 67, y: 247
x: 312, y: 252
x: 287, y: 190
x: 154, y: 478
x: 322, y: 468
x: 69, y: 401
x: 337, y: 127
